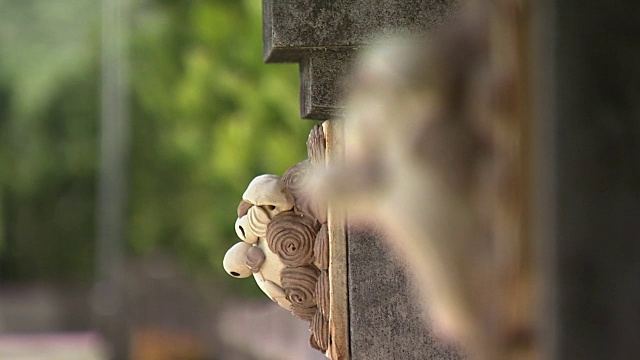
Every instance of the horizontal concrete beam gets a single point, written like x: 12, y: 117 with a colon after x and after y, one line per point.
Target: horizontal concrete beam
x: 324, y: 36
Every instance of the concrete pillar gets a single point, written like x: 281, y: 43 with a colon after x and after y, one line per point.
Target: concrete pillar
x: 384, y: 318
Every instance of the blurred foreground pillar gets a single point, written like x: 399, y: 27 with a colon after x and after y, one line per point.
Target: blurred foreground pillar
x: 109, y: 292
x: 588, y: 162
x: 382, y: 319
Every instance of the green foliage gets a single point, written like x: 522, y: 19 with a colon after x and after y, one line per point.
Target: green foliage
x: 48, y: 116
x: 207, y: 116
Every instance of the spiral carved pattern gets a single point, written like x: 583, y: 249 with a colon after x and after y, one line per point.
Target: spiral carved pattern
x: 258, y: 221
x: 304, y: 313
x: 299, y: 285
x: 254, y: 259
x: 296, y: 179
x: 317, y: 145
x: 320, y: 330
x: 292, y: 237
x: 322, y: 293
x: 321, y: 248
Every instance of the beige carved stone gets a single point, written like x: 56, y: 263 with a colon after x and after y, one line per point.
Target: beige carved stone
x: 272, y: 266
x: 272, y: 288
x: 234, y: 260
x: 268, y: 275
x: 257, y: 220
x: 291, y: 236
x: 244, y: 232
x: 273, y: 291
x: 321, y: 248
x: 269, y: 192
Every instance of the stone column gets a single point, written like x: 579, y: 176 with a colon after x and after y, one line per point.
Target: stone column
x: 384, y: 320
x: 324, y: 35
x: 588, y: 144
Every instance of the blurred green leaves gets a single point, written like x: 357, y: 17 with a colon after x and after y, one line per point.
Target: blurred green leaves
x: 42, y: 46
x: 207, y: 116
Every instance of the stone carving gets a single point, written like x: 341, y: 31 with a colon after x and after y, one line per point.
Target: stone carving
x: 292, y: 237
x: 300, y: 285
x: 321, y: 248
x: 320, y: 330
x: 234, y: 260
x: 243, y: 208
x: 243, y: 230
x: 313, y: 343
x: 258, y: 220
x: 317, y: 146
x: 254, y: 259
x: 304, y: 313
x: 272, y: 290
x: 285, y: 243
x: 322, y: 293
x: 296, y: 180
x: 270, y: 192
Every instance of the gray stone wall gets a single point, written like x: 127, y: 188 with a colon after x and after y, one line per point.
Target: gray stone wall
x: 588, y: 190
x: 386, y: 319
x: 324, y: 36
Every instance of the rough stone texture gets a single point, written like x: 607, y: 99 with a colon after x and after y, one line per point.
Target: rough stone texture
x: 290, y: 27
x: 323, y: 37
x: 386, y: 319
x: 590, y: 148
x: 323, y: 77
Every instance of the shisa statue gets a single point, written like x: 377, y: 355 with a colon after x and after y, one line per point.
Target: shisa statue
x: 285, y: 245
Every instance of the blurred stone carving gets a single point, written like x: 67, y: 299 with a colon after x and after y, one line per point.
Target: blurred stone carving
x: 434, y: 152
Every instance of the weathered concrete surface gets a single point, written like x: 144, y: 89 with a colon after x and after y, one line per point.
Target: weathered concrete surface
x: 589, y: 147
x: 293, y: 27
x: 323, y: 36
x: 386, y: 319
x: 323, y: 78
